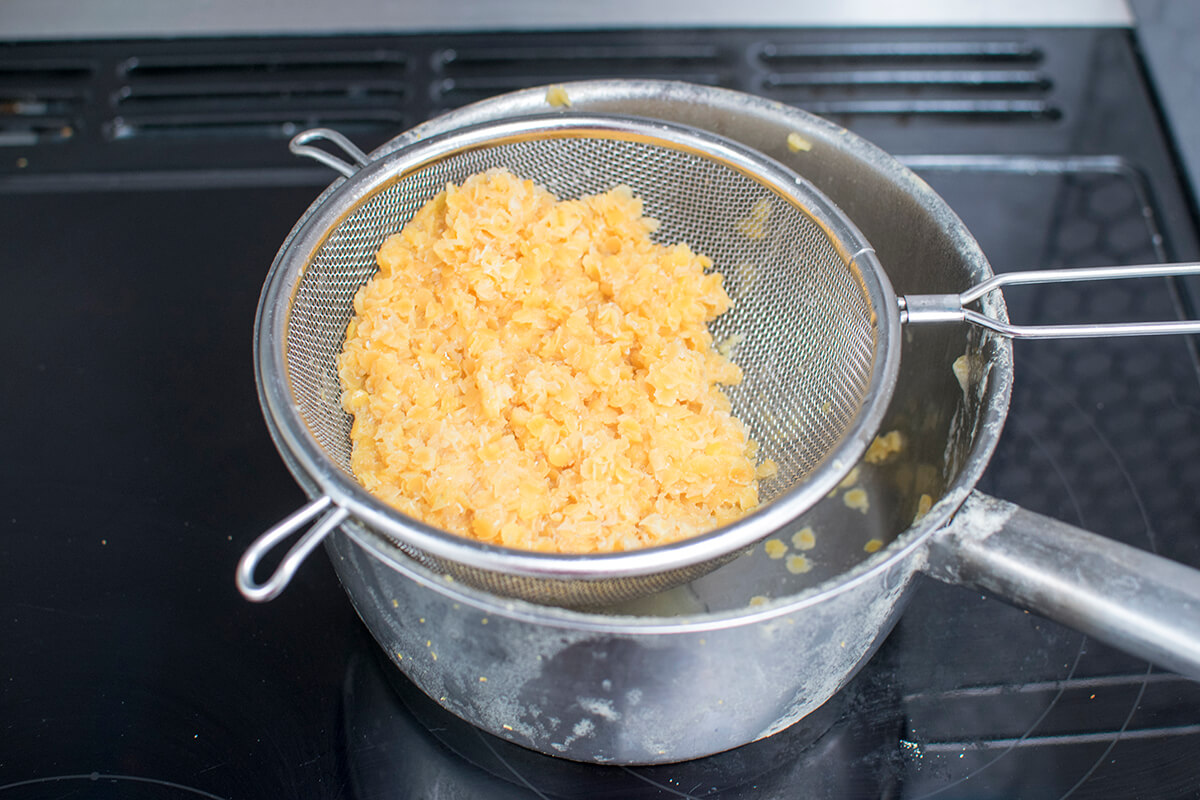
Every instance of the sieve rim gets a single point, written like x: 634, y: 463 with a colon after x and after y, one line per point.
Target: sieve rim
x: 319, y: 475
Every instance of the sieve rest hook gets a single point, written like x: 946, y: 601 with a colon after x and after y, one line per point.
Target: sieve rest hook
x: 934, y: 308
x: 301, y: 147
x: 271, y: 588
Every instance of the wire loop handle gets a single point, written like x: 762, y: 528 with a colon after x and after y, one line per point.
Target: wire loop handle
x: 934, y: 308
x: 282, y: 576
x: 300, y: 146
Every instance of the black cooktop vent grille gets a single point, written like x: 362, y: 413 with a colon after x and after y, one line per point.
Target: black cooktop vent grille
x: 42, y: 100
x: 469, y: 73
x: 270, y: 94
x: 168, y: 105
x: 992, y: 79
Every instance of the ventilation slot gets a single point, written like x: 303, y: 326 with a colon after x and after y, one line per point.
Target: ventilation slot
x: 985, y: 80
x: 468, y: 74
x: 260, y: 95
x: 41, y: 101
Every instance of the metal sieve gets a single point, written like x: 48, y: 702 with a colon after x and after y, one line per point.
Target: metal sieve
x: 815, y: 328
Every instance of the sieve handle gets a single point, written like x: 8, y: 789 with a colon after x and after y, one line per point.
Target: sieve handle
x: 935, y: 308
x: 282, y: 576
x: 301, y: 147
x: 1144, y: 604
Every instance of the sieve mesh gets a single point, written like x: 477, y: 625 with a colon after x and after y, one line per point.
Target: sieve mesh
x: 803, y: 326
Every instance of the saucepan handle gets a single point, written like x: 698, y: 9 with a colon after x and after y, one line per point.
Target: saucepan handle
x: 248, y: 564
x: 1139, y: 602
x: 942, y: 308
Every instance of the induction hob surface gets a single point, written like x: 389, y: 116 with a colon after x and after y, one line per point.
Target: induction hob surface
x: 139, y: 467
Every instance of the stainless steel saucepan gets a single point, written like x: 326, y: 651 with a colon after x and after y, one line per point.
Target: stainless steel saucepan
x: 741, y: 652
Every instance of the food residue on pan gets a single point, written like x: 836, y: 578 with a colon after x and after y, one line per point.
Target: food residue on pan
x: 857, y: 499
x: 962, y: 371
x: 846, y: 482
x: 775, y: 549
x: 556, y: 96
x: 797, y: 143
x: 754, y: 226
x: 539, y: 374
x: 798, y: 564
x: 883, y: 447
x: 804, y: 539
x: 924, y: 503
x: 850, y: 479
x: 872, y: 545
